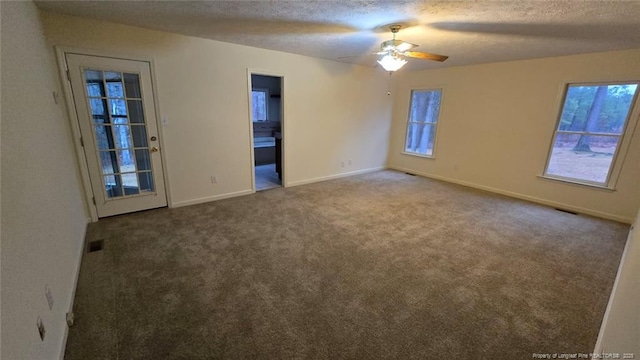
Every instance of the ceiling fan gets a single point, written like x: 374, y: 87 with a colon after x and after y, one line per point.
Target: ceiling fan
x: 395, y: 51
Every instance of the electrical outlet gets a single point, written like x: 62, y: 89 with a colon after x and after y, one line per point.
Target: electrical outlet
x: 70, y: 319
x: 341, y: 163
x: 214, y: 180
x: 40, y: 326
x: 349, y: 162
x: 47, y: 294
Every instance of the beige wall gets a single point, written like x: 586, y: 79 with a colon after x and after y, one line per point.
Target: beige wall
x: 496, y: 125
x: 620, y: 332
x: 43, y: 217
x: 333, y: 112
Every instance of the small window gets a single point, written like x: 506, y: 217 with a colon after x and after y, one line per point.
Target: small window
x: 259, y: 101
x: 423, y: 120
x: 589, y: 132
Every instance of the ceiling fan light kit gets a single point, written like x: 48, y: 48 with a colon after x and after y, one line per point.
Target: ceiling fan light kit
x: 393, y: 51
x: 391, y: 63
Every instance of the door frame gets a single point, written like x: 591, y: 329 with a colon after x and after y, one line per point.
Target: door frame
x: 81, y: 159
x: 283, y: 127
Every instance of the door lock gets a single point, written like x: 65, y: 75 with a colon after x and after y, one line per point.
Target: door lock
x: 153, y: 138
x: 154, y: 149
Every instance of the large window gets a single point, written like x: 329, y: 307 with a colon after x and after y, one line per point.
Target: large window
x: 259, y: 102
x: 590, y: 131
x: 423, y: 120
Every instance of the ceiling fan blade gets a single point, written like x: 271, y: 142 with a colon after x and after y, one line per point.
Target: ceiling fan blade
x: 425, y: 56
x: 404, y: 46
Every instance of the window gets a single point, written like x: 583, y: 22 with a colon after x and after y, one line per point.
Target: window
x: 589, y: 132
x: 423, y: 120
x: 259, y: 101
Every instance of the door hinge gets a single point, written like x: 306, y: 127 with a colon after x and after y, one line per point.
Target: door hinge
x: 94, y: 200
x: 68, y: 76
x: 81, y: 141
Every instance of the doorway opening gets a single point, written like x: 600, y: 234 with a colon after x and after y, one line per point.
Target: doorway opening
x: 266, y: 120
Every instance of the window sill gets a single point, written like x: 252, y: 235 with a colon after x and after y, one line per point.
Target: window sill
x: 577, y: 182
x: 418, y: 155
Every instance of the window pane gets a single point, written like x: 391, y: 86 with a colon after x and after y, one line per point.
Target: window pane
x: 130, y: 183
x: 146, y: 181
x: 104, y: 138
x: 112, y: 76
x: 95, y: 89
x: 113, y: 186
x: 98, y: 111
x: 95, y: 86
x: 143, y: 160
x: 597, y: 108
x: 135, y: 111
x: 114, y: 89
x: 132, y: 85
x: 110, y: 180
x: 582, y: 157
x: 126, y: 160
x: 97, y: 106
x: 93, y: 75
x: 117, y: 107
x: 139, y: 136
x: 122, y: 136
x: 425, y: 106
x: 420, y: 138
x: 259, y: 103
x: 109, y: 162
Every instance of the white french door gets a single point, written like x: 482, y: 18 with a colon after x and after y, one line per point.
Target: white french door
x: 114, y: 102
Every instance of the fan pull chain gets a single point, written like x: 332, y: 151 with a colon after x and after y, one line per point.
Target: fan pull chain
x: 389, y: 86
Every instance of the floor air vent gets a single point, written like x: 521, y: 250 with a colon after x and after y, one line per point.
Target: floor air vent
x: 567, y: 211
x: 96, y: 245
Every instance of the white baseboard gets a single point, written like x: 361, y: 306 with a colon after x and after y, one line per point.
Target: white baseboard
x: 534, y: 199
x: 335, y: 176
x: 248, y: 192
x: 65, y: 334
x: 210, y: 198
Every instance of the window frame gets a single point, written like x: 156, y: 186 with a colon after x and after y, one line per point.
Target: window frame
x: 266, y: 105
x: 623, y: 143
x: 434, y: 124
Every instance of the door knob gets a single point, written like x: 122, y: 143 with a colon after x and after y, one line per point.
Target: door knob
x: 154, y: 149
x: 153, y: 138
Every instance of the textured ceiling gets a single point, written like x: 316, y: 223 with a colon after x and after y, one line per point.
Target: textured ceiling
x: 469, y: 32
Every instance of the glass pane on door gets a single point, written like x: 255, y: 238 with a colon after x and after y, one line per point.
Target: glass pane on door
x: 114, y: 99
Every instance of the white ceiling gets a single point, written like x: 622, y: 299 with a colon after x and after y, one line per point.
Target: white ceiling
x: 470, y: 32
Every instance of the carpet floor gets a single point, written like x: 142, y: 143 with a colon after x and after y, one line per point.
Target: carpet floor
x: 376, y: 266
